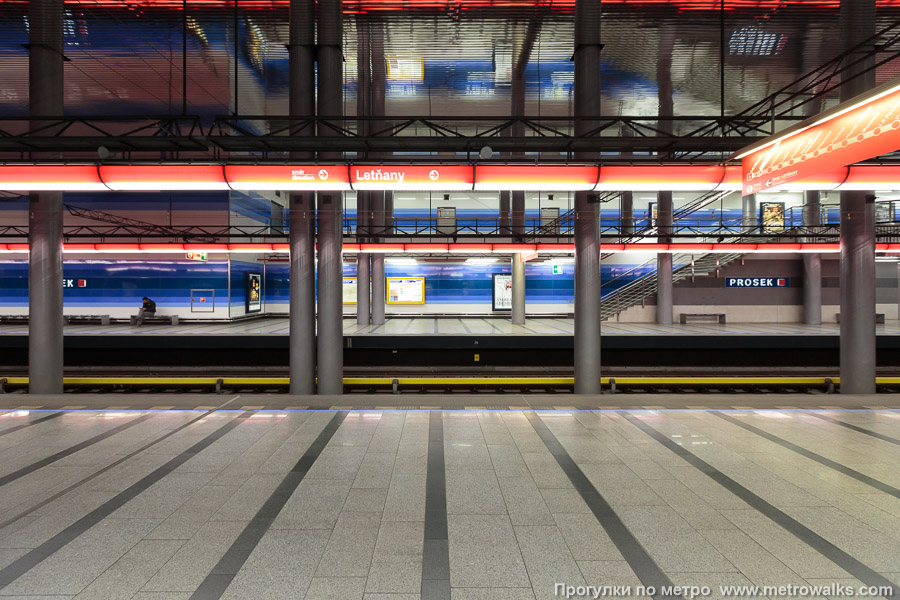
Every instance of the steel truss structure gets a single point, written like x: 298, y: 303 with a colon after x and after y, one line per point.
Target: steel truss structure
x: 474, y: 231
x: 254, y: 138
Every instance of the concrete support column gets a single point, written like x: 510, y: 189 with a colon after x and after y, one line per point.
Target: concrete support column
x: 45, y: 293
x: 518, y: 213
x: 378, y: 295
x: 749, y: 213
x: 302, y: 205
x: 857, y: 293
x: 45, y: 209
x: 587, y: 237
x: 389, y: 212
x: 330, y: 100
x: 504, y: 213
x: 377, y: 261
x: 664, y: 260
x: 857, y: 23
x: 302, y: 343
x: 812, y: 264
x: 330, y: 336
x: 362, y: 288
x: 518, y: 290
x: 626, y: 215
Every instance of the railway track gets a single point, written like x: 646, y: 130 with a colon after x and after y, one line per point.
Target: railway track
x: 515, y: 383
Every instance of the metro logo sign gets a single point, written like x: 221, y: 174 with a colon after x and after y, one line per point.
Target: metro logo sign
x: 859, y: 129
x: 412, y: 178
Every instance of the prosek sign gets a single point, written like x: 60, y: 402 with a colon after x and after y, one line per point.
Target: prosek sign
x: 859, y: 129
x: 757, y: 282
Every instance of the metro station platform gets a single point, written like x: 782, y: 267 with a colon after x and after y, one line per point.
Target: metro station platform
x: 454, y: 326
x: 464, y: 345
x: 233, y: 502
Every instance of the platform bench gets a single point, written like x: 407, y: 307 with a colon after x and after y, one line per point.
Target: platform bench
x: 171, y: 319
x: 879, y: 318
x: 104, y: 319
x: 719, y: 316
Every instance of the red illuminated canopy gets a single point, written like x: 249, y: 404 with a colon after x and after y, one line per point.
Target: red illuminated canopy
x: 361, y: 6
x: 862, y: 128
x: 549, y: 178
x: 393, y: 248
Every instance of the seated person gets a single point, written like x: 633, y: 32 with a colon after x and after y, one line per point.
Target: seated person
x: 148, y: 309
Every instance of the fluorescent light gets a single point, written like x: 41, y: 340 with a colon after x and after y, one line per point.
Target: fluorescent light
x: 401, y: 261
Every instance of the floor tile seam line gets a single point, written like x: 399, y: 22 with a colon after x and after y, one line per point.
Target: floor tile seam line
x: 49, y: 460
x: 857, y: 428
x: 435, y: 517
x: 37, y: 421
x: 239, y: 551
x: 809, y: 454
x: 832, y: 552
x: 110, y: 466
x: 159, y: 567
x: 497, y: 477
x: 639, y: 560
x: 37, y: 555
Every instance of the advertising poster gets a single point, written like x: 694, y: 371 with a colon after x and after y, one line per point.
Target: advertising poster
x: 254, y: 292
x: 771, y: 217
x: 406, y: 290
x: 502, y: 297
x: 349, y: 290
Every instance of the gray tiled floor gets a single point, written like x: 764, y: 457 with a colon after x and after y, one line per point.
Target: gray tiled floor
x: 774, y: 503
x: 458, y: 326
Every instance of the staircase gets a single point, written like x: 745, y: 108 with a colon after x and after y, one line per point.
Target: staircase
x: 637, y: 290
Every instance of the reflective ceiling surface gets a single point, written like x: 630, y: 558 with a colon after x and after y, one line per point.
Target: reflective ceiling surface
x: 443, y: 58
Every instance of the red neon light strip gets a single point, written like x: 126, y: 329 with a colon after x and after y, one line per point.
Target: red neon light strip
x: 564, y: 6
x: 335, y: 177
x: 685, y: 248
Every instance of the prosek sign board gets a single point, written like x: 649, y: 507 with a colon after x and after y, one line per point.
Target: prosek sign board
x: 859, y: 129
x: 757, y: 282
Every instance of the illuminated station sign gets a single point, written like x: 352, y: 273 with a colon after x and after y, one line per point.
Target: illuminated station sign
x: 819, y: 149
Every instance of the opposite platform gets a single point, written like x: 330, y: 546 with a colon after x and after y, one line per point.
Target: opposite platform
x: 459, y: 326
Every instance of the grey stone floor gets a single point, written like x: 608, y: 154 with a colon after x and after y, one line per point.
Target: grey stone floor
x: 455, y: 504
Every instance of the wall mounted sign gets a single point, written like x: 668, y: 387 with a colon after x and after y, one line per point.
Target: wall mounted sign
x: 758, y: 282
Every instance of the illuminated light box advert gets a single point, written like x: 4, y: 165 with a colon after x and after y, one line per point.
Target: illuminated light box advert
x: 406, y: 290
x: 349, y: 289
x: 502, y: 296
x: 254, y: 292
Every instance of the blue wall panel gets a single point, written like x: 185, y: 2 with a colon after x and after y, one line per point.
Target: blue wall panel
x: 117, y: 283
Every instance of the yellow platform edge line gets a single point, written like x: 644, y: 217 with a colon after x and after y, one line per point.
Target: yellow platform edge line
x: 162, y: 381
